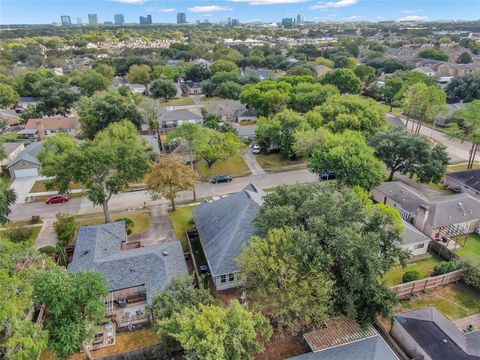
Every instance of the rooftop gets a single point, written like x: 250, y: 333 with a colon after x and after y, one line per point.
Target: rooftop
x: 52, y: 123
x: 29, y: 154
x: 468, y: 178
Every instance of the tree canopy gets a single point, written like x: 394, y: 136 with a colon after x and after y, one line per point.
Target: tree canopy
x: 344, y: 79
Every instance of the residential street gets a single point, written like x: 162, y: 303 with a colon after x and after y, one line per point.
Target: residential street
x: 137, y: 199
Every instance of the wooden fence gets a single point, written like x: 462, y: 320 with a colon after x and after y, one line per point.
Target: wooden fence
x: 444, y: 252
x: 428, y: 283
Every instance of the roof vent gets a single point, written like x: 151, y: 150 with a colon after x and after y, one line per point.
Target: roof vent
x: 132, y: 270
x: 165, y: 253
x: 402, y: 191
x: 445, y: 341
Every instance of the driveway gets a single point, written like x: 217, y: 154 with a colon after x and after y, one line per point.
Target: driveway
x: 251, y: 160
x: 22, y: 187
x: 161, y: 228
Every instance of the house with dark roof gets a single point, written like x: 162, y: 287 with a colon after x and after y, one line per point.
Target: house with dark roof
x: 26, y: 163
x: 178, y: 117
x: 191, y: 88
x: 12, y: 150
x: 133, y: 275
x: 344, y: 339
x: 414, y: 240
x: 439, y: 218
x: 427, y: 332
x: 224, y: 227
x: 464, y: 181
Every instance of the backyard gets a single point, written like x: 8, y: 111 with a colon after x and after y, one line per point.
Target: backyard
x: 424, y: 267
x: 454, y: 301
x: 182, y: 220
x: 470, y: 253
x: 234, y: 166
x: 277, y: 162
x: 179, y: 101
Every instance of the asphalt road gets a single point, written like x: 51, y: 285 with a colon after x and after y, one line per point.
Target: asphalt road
x: 137, y: 199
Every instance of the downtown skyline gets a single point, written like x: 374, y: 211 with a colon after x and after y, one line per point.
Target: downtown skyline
x: 47, y: 12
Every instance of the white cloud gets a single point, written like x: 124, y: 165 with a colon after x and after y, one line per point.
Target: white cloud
x: 167, y: 10
x: 413, y: 18
x: 208, y: 8
x: 334, y: 4
x: 412, y: 11
x: 130, y: 1
x: 269, y: 2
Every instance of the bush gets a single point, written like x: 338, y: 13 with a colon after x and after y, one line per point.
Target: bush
x: 48, y: 250
x: 65, y: 227
x: 36, y: 219
x: 446, y: 267
x: 129, y: 224
x: 20, y: 234
x: 411, y: 276
x: 473, y: 277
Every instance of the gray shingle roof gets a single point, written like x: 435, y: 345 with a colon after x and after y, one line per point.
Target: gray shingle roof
x: 99, y: 248
x: 470, y: 178
x: 411, y: 235
x: 10, y: 147
x: 29, y: 154
x: 429, y: 327
x: 181, y: 115
x: 225, y: 225
x: 372, y: 348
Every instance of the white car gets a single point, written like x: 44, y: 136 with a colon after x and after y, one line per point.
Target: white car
x: 256, y: 149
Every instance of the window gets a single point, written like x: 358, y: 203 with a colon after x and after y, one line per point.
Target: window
x: 231, y: 277
x: 418, y: 246
x: 223, y: 279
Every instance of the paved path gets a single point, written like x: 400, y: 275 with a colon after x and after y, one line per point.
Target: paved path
x: 47, y: 235
x: 251, y: 160
x: 136, y: 200
x: 161, y: 228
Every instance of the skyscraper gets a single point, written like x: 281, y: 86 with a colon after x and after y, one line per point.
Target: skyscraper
x: 146, y: 20
x: 92, y: 19
x: 235, y: 22
x: 300, y: 19
x: 181, y: 18
x: 79, y: 21
x: 66, y: 21
x: 288, y: 22
x: 119, y: 19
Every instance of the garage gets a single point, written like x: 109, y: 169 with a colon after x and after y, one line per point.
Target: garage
x: 26, y: 172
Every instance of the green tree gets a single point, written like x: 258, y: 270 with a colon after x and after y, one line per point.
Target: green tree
x: 466, y: 88
x: 408, y: 154
x: 55, y: 98
x: 215, y: 145
x: 99, y: 111
x: 291, y: 293
x: 435, y: 54
x: 344, y: 79
x: 105, y: 165
x: 187, y: 135
x: 91, y: 81
x: 465, y: 58
x: 290, y: 122
x: 325, y: 62
x: 224, y: 65
x: 75, y: 302
x: 350, y: 158
x: 105, y: 70
x: 341, y: 224
x: 267, y: 133
x: 307, y: 140
x: 214, y: 332
x: 264, y: 102
x: 165, y: 72
x: 139, y: 74
x: 230, y: 90
x: 390, y: 90
x: 170, y: 176
x: 352, y: 112
x: 162, y: 89
x: 197, y: 73
x: 306, y: 96
x: 8, y: 96
x: 7, y: 199
x: 366, y: 74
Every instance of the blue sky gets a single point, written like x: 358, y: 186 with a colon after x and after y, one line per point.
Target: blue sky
x: 48, y: 11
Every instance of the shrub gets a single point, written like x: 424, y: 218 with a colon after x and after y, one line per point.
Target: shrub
x: 36, y: 219
x: 473, y: 277
x: 411, y: 276
x: 65, y: 227
x: 129, y: 224
x: 20, y: 234
x: 446, y: 267
x: 48, y: 250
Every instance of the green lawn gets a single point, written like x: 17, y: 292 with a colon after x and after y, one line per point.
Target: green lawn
x: 454, y: 301
x: 272, y: 161
x: 424, y: 267
x: 210, y: 99
x: 182, y: 220
x: 180, y: 101
x: 234, y: 166
x: 441, y: 188
x: 33, y: 236
x: 141, y: 221
x: 462, y: 167
x: 470, y: 253
x: 41, y: 186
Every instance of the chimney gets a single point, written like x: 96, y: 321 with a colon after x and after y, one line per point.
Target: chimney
x: 421, y: 217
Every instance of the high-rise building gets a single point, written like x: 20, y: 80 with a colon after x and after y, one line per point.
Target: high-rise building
x: 146, y: 20
x: 66, y: 20
x: 92, y: 19
x: 300, y: 19
x: 181, y: 18
x: 288, y: 22
x: 79, y: 21
x: 119, y: 19
x: 233, y: 22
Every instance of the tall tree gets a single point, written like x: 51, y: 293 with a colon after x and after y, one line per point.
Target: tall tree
x: 105, y: 166
x: 75, y: 302
x: 390, y: 90
x: 466, y: 88
x: 55, y: 98
x: 170, y: 176
x: 187, y: 135
x: 139, y: 74
x: 215, y: 145
x: 7, y: 199
x: 291, y: 293
x: 408, y: 154
x: 344, y: 79
x: 306, y: 96
x: 162, y: 89
x: 8, y: 96
x: 350, y: 158
x: 91, y: 81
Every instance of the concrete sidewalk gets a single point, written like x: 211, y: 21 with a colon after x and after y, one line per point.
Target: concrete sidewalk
x: 47, y: 235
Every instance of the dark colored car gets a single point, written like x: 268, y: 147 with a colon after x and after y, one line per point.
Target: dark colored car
x: 329, y: 175
x: 56, y: 199
x: 221, y: 179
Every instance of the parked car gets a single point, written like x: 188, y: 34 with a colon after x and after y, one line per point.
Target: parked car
x: 221, y: 179
x: 329, y: 175
x: 257, y: 149
x: 56, y: 199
